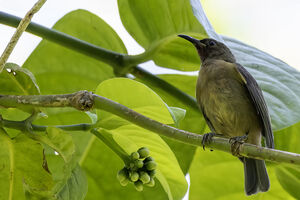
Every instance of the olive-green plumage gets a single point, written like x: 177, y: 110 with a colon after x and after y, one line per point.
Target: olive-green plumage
x: 233, y: 105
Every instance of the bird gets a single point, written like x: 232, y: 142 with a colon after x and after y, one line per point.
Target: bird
x: 233, y: 106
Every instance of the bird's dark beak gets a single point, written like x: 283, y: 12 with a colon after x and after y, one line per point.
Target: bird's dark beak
x: 193, y: 40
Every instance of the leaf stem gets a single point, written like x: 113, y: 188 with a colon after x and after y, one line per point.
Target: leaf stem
x: 122, y: 111
x: 20, y: 125
x: 106, y: 137
x: 164, y: 85
x: 110, y: 57
x: 20, y: 29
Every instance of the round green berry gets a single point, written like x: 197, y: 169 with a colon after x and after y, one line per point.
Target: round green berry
x: 134, y: 176
x: 124, y: 182
x: 144, y: 152
x: 148, y: 159
x: 151, y: 183
x: 122, y: 174
x: 131, y: 165
x: 144, y: 177
x: 138, y: 186
x: 134, y: 155
x: 152, y: 173
x: 138, y: 163
x: 151, y: 165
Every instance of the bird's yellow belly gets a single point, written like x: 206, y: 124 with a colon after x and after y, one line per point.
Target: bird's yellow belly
x: 228, y: 107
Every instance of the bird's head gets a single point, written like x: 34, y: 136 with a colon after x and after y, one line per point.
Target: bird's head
x: 211, y: 49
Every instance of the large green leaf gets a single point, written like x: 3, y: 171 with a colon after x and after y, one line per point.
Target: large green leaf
x: 130, y: 137
x: 70, y: 181
x: 15, y: 80
x: 287, y: 139
x: 136, y: 96
x: 289, y: 176
x: 155, y: 25
x: 219, y: 175
x: 61, y: 142
x: 21, y: 161
x: 76, y: 186
x: 60, y: 70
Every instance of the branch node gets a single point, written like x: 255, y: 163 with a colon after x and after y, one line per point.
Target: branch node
x: 83, y: 100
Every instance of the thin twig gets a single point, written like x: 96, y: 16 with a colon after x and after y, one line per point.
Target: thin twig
x: 112, y: 58
x: 20, y: 29
x: 98, y: 102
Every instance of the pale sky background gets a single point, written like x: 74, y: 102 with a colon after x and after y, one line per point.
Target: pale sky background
x: 270, y: 25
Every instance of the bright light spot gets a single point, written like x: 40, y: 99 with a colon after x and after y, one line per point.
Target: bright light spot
x: 187, y: 177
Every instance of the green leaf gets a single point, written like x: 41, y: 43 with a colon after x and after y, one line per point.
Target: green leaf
x: 76, y: 186
x: 178, y: 114
x: 21, y: 161
x: 61, y: 70
x: 289, y: 178
x: 155, y: 25
x: 219, y: 175
x: 287, y: 139
x: 15, y: 80
x: 136, y: 96
x: 70, y: 181
x: 131, y: 137
x: 61, y: 142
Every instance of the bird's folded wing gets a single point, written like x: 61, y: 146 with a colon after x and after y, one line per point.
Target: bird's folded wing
x: 260, y: 104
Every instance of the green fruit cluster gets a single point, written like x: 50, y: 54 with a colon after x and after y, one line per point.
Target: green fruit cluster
x: 140, y: 170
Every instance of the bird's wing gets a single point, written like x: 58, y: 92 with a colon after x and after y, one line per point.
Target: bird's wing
x: 260, y: 104
x: 207, y: 119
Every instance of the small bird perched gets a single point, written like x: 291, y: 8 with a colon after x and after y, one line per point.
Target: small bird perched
x: 233, y: 106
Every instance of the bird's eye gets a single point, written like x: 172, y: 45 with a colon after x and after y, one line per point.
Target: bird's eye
x: 212, y: 43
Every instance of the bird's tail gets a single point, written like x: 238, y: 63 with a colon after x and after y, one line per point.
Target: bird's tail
x: 256, y: 176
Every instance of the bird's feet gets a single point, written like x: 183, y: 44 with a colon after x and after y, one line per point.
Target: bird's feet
x: 236, y: 143
x: 207, y: 138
